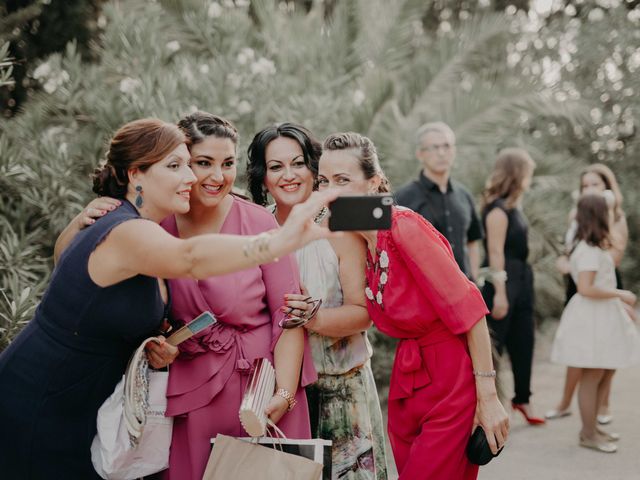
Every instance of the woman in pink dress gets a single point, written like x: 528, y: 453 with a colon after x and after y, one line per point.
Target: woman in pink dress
x: 442, y: 382
x: 208, y: 378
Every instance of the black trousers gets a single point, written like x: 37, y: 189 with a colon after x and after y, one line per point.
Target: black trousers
x: 516, y: 331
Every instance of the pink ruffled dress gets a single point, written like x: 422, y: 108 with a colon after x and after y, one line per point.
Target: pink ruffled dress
x: 207, y: 380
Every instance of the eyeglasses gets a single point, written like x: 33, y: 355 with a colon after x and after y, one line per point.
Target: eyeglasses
x: 294, y: 322
x: 445, y: 147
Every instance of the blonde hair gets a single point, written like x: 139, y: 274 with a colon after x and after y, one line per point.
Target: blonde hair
x: 511, y: 168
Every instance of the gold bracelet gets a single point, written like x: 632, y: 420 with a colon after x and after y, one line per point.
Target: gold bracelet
x: 257, y: 249
x: 288, y: 396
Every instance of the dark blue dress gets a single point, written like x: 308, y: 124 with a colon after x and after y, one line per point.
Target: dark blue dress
x: 64, y: 364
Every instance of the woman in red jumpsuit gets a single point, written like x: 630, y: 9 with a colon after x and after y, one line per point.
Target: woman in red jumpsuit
x: 443, y: 382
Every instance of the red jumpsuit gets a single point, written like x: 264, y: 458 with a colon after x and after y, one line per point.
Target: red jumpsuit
x: 417, y: 293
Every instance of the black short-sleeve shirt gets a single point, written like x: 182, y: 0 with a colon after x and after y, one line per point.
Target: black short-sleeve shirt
x: 453, y: 213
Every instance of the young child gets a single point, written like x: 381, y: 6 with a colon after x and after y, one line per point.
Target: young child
x: 596, y: 333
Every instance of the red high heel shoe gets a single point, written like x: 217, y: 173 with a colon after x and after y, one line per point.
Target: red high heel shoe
x: 530, y: 420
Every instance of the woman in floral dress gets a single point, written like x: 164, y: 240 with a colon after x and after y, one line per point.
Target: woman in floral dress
x: 343, y: 404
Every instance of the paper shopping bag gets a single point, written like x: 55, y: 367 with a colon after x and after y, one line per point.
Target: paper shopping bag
x: 316, y: 449
x: 239, y: 460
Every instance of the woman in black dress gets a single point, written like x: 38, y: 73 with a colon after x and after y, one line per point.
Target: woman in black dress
x: 105, y: 297
x: 509, y: 290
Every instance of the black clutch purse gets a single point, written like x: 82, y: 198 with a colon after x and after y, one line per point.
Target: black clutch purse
x: 478, y: 450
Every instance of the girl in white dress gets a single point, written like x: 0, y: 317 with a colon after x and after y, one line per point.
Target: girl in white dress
x: 595, y: 333
x: 595, y: 178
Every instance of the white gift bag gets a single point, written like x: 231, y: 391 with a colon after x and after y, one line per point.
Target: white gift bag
x: 134, y: 436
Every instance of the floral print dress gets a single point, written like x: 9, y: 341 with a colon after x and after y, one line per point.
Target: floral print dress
x: 343, y: 404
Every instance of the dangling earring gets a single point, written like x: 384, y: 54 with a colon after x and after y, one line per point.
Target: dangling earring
x: 139, y: 200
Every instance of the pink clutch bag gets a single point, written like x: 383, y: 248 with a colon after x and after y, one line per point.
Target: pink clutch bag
x: 260, y: 389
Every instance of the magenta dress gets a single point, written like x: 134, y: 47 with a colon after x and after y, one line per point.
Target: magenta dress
x: 207, y: 380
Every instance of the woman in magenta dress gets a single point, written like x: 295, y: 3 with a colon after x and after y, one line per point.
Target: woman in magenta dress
x: 209, y: 377
x: 442, y: 381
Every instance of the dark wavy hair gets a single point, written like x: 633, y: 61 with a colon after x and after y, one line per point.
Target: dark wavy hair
x: 364, y: 150
x: 137, y: 144
x: 592, y: 217
x: 257, y: 165
x: 199, y: 125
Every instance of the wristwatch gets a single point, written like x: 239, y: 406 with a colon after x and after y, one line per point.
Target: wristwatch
x: 288, y: 396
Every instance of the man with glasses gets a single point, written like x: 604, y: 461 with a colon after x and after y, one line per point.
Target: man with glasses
x: 444, y: 202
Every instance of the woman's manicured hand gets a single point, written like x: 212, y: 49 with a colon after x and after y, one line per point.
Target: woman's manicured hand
x: 300, y: 228
x: 493, y: 418
x: 277, y: 408
x: 97, y: 208
x: 161, y: 354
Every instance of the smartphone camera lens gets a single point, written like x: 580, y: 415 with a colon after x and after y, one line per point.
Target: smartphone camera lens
x: 387, y: 201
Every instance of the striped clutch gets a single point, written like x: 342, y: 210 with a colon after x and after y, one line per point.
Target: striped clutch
x: 260, y: 389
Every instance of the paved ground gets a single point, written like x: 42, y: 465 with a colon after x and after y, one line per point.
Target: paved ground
x: 551, y: 452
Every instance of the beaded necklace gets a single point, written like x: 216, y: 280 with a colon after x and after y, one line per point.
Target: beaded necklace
x: 321, y: 215
x: 381, y: 266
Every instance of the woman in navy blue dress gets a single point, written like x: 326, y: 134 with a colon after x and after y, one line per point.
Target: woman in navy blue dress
x: 105, y: 297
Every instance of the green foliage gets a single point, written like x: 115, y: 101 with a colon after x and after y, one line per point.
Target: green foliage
x: 17, y: 306
x: 37, y: 28
x: 368, y: 65
x: 6, y: 66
